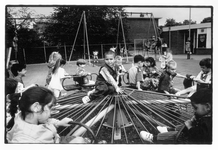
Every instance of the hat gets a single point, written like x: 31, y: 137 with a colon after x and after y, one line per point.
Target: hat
x: 80, y: 62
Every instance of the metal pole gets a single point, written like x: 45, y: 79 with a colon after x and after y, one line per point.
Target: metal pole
x: 189, y: 36
x: 102, y: 55
x: 45, y: 53
x: 65, y: 51
x: 24, y: 55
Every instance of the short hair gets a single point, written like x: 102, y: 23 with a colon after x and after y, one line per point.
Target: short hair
x: 138, y: 58
x: 109, y: 52
x: 80, y: 62
x: 17, y: 67
x: 62, y: 62
x: 118, y: 57
x: 205, y: 62
x: 151, y: 60
x: 171, y: 64
x: 202, y: 96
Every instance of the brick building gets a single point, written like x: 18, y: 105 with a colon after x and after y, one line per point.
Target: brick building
x: 177, y: 36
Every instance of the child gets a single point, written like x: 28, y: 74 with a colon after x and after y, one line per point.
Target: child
x: 106, y: 81
x: 120, y: 69
x: 81, y: 63
x: 95, y: 56
x: 165, y: 57
x: 135, y: 73
x: 198, y: 129
x: 166, y: 78
x: 11, y: 63
x: 58, y: 73
x: 33, y: 123
x: 203, y: 79
x: 18, y: 71
x: 51, y: 63
x: 151, y: 73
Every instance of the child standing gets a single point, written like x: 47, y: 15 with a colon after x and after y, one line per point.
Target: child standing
x: 33, y: 123
x: 58, y: 73
x: 51, y: 63
x: 81, y: 63
x: 198, y: 129
x: 165, y: 81
x: 106, y: 81
x: 135, y: 73
x: 120, y: 69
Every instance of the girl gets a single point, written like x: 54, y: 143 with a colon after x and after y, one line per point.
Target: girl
x: 33, y: 123
x: 151, y: 74
x: 51, y: 63
x: 58, y: 73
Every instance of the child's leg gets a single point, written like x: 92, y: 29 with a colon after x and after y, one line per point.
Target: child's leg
x: 56, y: 94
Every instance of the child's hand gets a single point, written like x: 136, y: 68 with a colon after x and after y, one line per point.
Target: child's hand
x: 119, y: 90
x: 64, y: 122
x: 189, y: 123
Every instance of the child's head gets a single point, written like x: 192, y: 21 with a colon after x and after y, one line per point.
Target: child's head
x: 139, y: 60
x: 171, y: 66
x: 10, y: 86
x: 202, y: 102
x: 205, y: 65
x: 37, y: 101
x: 150, y: 62
x: 18, y: 69
x: 109, y: 58
x: 81, y: 63
x: 11, y: 63
x: 118, y: 60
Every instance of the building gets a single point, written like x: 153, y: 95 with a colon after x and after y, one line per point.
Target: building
x: 200, y: 35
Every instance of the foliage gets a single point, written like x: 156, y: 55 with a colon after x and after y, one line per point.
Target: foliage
x: 186, y: 22
x: 207, y: 19
x: 102, y: 25
x: 172, y: 22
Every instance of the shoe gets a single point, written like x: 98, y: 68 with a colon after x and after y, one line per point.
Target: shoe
x: 85, y: 99
x: 162, y: 129
x: 146, y: 136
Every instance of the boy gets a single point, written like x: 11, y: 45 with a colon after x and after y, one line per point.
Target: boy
x: 18, y: 71
x: 106, y: 81
x: 203, y: 79
x: 198, y: 129
x: 165, y: 82
x: 81, y: 63
x: 136, y: 73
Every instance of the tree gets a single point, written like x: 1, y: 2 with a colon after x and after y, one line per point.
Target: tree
x: 207, y: 19
x: 186, y: 22
x: 102, y: 24
x: 171, y: 22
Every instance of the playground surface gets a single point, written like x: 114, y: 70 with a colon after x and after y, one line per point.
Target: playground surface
x: 36, y: 73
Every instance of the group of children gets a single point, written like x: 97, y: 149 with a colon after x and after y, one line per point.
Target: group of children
x: 32, y: 122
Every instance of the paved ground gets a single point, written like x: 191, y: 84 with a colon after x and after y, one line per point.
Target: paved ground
x: 36, y: 73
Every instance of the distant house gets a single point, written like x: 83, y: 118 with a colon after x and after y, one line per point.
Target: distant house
x: 177, y: 36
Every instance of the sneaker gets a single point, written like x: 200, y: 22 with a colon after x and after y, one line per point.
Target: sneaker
x: 53, y: 112
x: 146, y: 136
x: 85, y: 99
x: 162, y: 129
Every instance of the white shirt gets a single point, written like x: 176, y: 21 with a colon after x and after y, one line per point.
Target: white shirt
x: 56, y: 79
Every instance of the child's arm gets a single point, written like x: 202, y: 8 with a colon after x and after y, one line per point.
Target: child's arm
x: 57, y: 123
x: 108, y: 77
x: 180, y: 76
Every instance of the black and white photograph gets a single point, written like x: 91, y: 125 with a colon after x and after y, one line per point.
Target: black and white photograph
x: 109, y: 74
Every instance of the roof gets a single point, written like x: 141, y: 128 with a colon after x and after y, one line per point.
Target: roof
x: 142, y: 18
x: 186, y: 27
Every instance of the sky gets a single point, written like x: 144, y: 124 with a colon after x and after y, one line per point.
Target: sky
x: 178, y: 13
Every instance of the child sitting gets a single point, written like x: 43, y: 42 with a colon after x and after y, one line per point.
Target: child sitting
x: 120, y: 69
x: 33, y: 123
x: 18, y: 71
x: 106, y: 81
x: 135, y: 73
x: 198, y: 129
x: 51, y: 63
x: 165, y: 81
x: 165, y: 57
x: 151, y: 73
x: 203, y: 79
x: 58, y: 73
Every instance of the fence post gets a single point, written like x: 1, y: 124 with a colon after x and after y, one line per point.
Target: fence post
x: 24, y: 55
x: 65, y: 51
x: 45, y: 53
x: 102, y: 51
